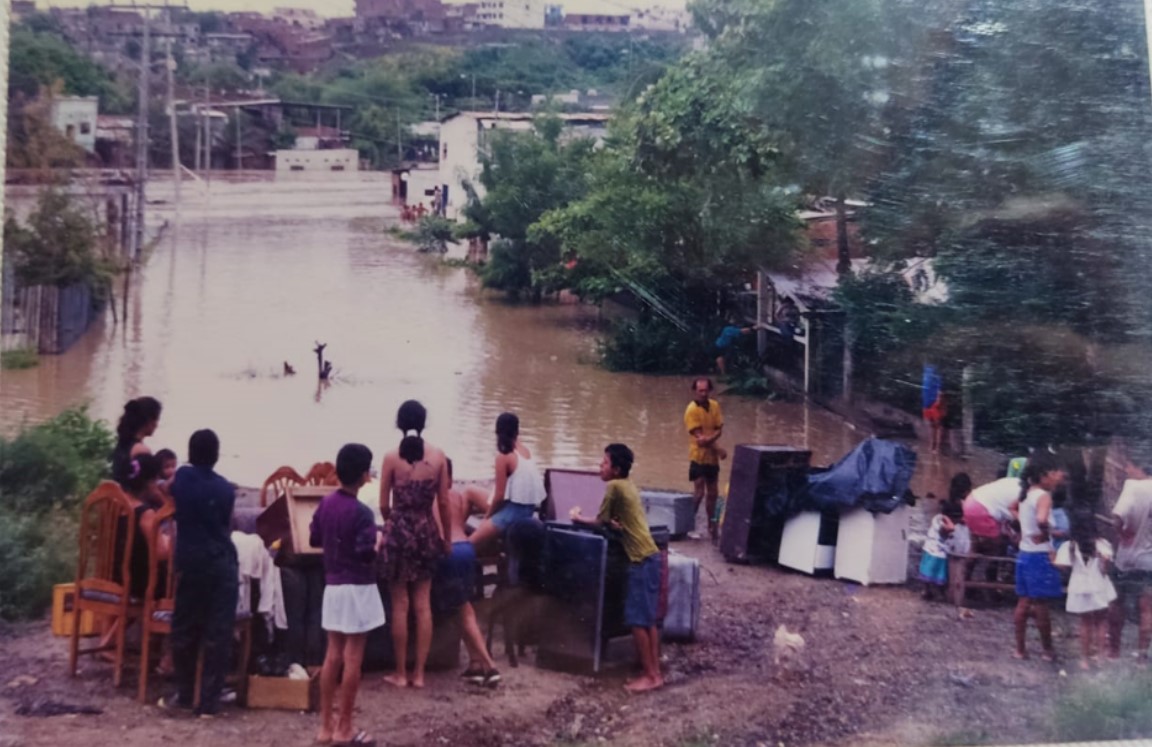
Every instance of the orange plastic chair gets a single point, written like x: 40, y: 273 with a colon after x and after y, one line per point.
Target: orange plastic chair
x: 277, y: 484
x: 322, y: 473
x: 103, y: 571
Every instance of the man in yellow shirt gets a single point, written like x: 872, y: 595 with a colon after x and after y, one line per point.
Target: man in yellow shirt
x: 705, y: 424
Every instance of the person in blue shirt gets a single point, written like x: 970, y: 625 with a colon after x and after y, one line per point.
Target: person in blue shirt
x: 206, y: 574
x: 726, y: 342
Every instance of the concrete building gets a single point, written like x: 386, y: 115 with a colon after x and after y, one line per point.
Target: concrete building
x: 463, y: 139
x: 314, y: 161
x: 512, y: 14
x: 596, y: 15
x: 75, y: 116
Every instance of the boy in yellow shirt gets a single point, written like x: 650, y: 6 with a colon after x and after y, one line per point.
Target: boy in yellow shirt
x: 621, y: 510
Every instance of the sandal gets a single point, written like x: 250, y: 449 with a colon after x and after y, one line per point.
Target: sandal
x: 474, y: 676
x: 491, y: 678
x: 360, y: 740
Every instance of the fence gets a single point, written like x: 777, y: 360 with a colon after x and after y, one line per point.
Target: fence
x: 44, y: 318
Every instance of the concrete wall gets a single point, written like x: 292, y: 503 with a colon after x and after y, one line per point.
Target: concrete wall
x: 75, y: 116
x: 342, y: 160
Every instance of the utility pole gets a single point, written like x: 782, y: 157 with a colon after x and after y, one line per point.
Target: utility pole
x: 399, y: 141
x: 239, y: 150
x: 142, y: 136
x: 173, y: 131
x: 207, y: 119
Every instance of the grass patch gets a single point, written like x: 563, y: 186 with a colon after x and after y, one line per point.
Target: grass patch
x: 962, y: 738
x: 19, y: 359
x: 1099, y: 710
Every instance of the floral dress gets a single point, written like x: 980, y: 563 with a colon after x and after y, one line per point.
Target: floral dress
x: 412, y: 544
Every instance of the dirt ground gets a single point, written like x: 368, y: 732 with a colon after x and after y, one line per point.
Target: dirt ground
x: 879, y: 666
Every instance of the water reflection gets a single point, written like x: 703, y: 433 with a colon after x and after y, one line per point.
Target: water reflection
x: 250, y: 275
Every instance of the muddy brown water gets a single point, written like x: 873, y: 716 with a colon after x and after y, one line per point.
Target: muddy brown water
x: 253, y: 271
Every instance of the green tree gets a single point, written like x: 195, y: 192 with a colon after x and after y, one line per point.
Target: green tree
x: 524, y: 175
x: 60, y: 245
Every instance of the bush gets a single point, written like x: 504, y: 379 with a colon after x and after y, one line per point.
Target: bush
x: 433, y: 234
x: 1105, y: 710
x: 652, y: 345
x: 53, y: 465
x: 36, y: 552
x: 21, y: 358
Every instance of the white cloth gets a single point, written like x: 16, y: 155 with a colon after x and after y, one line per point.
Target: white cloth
x: 960, y: 543
x: 998, y: 496
x: 1134, y: 508
x: 526, y: 484
x: 255, y: 563
x: 351, y: 608
x: 1089, y: 588
x: 1030, y: 524
x: 934, y: 543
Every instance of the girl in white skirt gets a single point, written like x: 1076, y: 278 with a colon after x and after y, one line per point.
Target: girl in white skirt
x: 1090, y: 591
x: 346, y: 530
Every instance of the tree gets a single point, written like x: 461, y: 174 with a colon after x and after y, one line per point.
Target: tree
x: 526, y: 174
x: 60, y: 245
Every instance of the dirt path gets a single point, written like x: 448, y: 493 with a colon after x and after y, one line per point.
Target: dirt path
x: 880, y: 666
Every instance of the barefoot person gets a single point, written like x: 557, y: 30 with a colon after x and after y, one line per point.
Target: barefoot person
x: 1037, y: 580
x: 457, y: 580
x: 705, y: 424
x: 413, y: 482
x: 621, y: 510
x: 519, y: 485
x: 1133, y: 568
x: 345, y: 529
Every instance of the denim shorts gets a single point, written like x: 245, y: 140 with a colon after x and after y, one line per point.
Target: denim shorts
x: 510, y: 513
x: 642, y: 603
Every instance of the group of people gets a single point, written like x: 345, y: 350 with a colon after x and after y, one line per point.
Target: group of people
x: 1019, y: 513
x: 424, y: 536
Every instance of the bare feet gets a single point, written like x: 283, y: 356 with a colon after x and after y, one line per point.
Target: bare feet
x: 416, y: 682
x: 323, y: 737
x: 1084, y: 665
x: 1022, y: 655
x: 397, y: 680
x: 644, y: 684
x: 1048, y: 656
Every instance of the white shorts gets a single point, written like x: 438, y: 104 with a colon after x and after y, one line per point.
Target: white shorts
x: 351, y: 608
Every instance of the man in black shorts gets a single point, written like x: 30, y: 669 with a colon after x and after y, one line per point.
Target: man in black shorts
x: 705, y: 424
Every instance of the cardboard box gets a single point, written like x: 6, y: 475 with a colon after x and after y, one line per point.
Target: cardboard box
x: 288, y: 518
x: 63, y: 616
x: 285, y: 694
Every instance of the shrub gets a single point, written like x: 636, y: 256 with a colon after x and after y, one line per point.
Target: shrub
x: 36, y: 552
x: 652, y: 345
x: 1117, y: 709
x: 21, y: 358
x: 54, y: 464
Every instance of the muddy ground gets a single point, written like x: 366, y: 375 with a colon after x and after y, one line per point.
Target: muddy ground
x: 879, y: 666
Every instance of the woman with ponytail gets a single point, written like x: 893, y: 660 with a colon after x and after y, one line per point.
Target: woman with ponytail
x: 1037, y: 580
x: 519, y: 484
x: 413, y: 479
x: 138, y: 422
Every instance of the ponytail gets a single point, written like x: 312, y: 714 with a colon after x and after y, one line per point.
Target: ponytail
x: 411, y: 417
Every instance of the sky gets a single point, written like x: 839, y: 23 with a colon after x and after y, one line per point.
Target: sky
x: 327, y: 8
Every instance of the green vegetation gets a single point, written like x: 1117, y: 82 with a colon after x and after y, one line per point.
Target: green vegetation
x: 45, y: 472
x: 60, y: 245
x: 1104, y: 710
x: 41, y: 59
x: 19, y: 359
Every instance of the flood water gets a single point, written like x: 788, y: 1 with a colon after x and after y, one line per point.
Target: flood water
x: 252, y: 272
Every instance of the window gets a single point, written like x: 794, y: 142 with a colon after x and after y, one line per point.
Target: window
x: 85, y: 128
x: 337, y: 167
x: 296, y: 167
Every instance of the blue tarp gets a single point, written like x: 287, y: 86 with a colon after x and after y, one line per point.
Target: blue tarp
x: 875, y: 476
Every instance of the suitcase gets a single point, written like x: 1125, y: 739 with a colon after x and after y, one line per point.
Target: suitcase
x: 683, y: 616
x: 675, y: 510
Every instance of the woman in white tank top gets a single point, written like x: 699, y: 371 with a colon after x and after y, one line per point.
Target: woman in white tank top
x: 1037, y: 580
x: 519, y: 484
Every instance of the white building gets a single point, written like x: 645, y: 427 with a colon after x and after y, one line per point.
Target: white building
x: 512, y: 14
x: 462, y: 142
x: 313, y: 161
x: 75, y: 116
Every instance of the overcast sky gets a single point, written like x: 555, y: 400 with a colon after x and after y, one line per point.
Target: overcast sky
x: 327, y: 8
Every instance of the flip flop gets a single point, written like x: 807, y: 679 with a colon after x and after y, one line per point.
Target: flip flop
x: 360, y: 740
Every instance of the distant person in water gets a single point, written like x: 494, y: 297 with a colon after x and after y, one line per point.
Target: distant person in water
x: 726, y: 344
x: 414, y: 504
x: 519, y: 484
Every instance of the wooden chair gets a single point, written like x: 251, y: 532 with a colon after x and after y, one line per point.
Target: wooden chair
x: 277, y: 484
x: 322, y: 473
x: 158, y: 608
x: 103, y: 571
x: 158, y: 611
